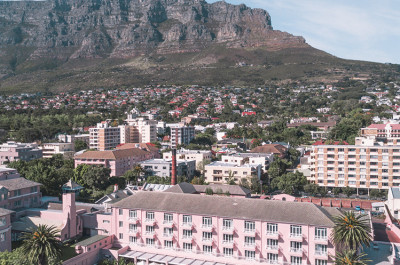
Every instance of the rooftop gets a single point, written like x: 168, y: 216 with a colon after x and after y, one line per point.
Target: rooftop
x: 231, y: 207
x: 112, y: 154
x: 91, y: 240
x: 223, y: 164
x: 18, y: 183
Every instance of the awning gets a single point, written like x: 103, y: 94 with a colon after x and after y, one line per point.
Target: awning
x: 141, y: 263
x: 187, y: 261
x: 197, y: 262
x: 157, y: 258
x: 209, y: 263
x: 167, y: 259
x: 146, y: 256
x: 176, y: 261
x: 131, y: 254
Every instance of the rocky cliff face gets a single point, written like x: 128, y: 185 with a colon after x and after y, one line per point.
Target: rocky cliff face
x: 126, y: 28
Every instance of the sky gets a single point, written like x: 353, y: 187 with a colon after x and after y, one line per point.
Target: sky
x: 352, y: 29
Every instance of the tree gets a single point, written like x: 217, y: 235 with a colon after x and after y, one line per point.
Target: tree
x: 350, y: 257
x: 244, y: 182
x: 278, y: 167
x: 198, y: 181
x: 322, y: 191
x: 209, y: 191
x: 374, y: 193
x: 311, y: 189
x: 290, y: 183
x: 337, y: 191
x: 231, y: 178
x: 351, y: 230
x: 41, y: 245
x: 15, y: 257
x: 80, y: 145
x: 348, y: 191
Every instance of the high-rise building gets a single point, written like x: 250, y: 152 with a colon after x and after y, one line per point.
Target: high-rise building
x: 181, y: 135
x: 104, y: 137
x: 140, y: 130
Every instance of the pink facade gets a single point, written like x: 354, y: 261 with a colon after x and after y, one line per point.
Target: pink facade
x: 217, y: 238
x: 19, y: 193
x: 5, y: 230
x: 117, y: 165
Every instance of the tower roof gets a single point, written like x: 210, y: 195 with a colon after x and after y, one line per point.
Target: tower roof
x: 71, y: 186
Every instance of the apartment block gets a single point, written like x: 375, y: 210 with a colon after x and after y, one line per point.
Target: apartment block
x: 141, y: 130
x: 18, y: 192
x: 50, y: 149
x: 163, y: 167
x: 249, y: 158
x: 389, y: 132
x: 181, y: 135
x: 5, y: 230
x: 13, y: 151
x: 218, y: 172
x: 198, y: 155
x: 170, y: 228
x: 368, y: 166
x: 104, y: 137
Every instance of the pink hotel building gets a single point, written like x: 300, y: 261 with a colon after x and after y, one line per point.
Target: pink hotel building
x: 171, y: 228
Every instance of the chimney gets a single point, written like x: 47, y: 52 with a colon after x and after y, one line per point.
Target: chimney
x: 115, y: 188
x: 173, y: 177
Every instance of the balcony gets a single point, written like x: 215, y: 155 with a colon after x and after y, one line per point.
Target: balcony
x: 249, y: 245
x: 228, y: 243
x: 133, y: 220
x: 168, y: 235
x: 207, y: 228
x: 207, y: 241
x: 133, y: 232
x: 228, y: 230
x: 250, y: 232
x: 272, y: 234
x: 187, y: 238
x: 150, y: 221
x: 321, y: 239
x: 297, y: 237
x: 321, y: 253
x: 168, y: 223
x: 296, y: 251
x: 187, y: 225
x: 272, y: 261
x: 150, y: 234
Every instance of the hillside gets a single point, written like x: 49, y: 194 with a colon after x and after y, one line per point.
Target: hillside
x: 59, y: 45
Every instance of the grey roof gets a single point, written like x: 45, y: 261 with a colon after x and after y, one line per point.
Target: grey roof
x: 182, y: 188
x: 231, y: 207
x: 4, y: 212
x: 396, y: 193
x: 232, y: 189
x: 71, y: 185
x: 91, y: 240
x: 18, y: 183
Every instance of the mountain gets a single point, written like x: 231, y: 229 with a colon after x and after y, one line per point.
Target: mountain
x: 78, y: 44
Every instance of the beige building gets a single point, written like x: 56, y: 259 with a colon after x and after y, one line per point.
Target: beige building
x: 50, y: 149
x: 393, y: 202
x: 366, y: 166
x: 218, y: 172
x: 140, y: 130
x: 198, y: 155
x: 249, y: 158
x: 104, y: 137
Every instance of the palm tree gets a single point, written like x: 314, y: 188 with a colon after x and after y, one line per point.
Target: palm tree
x: 351, y: 230
x: 350, y: 257
x: 138, y: 170
x: 41, y: 245
x: 231, y: 178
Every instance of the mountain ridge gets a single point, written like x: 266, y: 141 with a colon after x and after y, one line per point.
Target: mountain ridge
x: 59, y: 44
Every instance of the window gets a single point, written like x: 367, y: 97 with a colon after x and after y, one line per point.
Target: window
x: 132, y: 214
x: 227, y: 224
x: 295, y: 260
x: 187, y: 246
x: 3, y: 221
x: 272, y: 229
x: 187, y: 220
x: 321, y: 233
x: 150, y: 216
x: 121, y: 236
x: 227, y: 238
x: 149, y: 229
x: 321, y: 262
x: 295, y: 231
x: 150, y: 241
x: 207, y: 222
x: 187, y: 233
x: 250, y: 254
x: 272, y: 244
x: 249, y: 226
x: 121, y: 224
x: 207, y: 236
x: 249, y: 241
x: 272, y: 258
x: 132, y: 239
x: 3, y: 237
x: 132, y: 228
x: 120, y: 211
x: 168, y: 218
x: 17, y: 203
x: 295, y: 246
x: 168, y: 231
x: 228, y: 252
x: 321, y: 249
x: 207, y: 249
x: 168, y: 244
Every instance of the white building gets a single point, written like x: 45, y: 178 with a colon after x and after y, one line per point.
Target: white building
x: 142, y: 129
x: 104, y: 137
x: 163, y: 167
x: 50, y: 149
x: 393, y: 202
x: 254, y: 159
x: 181, y: 135
x: 218, y: 172
x: 198, y: 155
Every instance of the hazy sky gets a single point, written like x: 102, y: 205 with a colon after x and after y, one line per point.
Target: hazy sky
x: 352, y: 29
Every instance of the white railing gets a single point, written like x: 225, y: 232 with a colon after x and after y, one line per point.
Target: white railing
x: 321, y: 237
x: 225, y: 242
x: 227, y: 228
x: 132, y: 231
x: 272, y: 247
x: 321, y: 253
x: 296, y: 235
x: 249, y: 244
x: 272, y: 233
x: 296, y: 250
